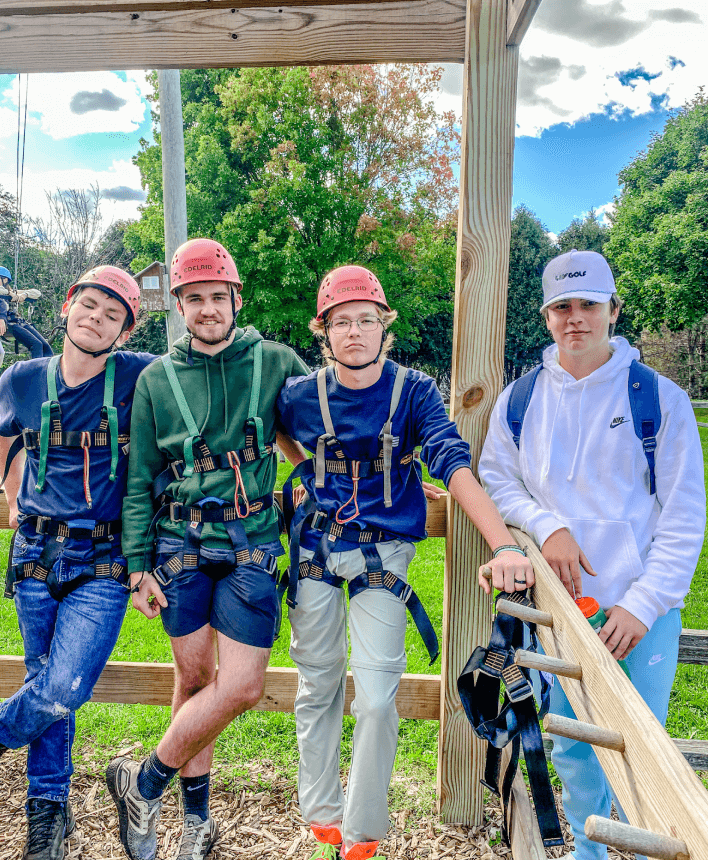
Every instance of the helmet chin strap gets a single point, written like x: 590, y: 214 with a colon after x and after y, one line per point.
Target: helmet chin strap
x: 87, y: 351
x: 357, y: 366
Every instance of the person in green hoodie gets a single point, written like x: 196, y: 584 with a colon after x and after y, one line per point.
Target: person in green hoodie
x: 202, y: 450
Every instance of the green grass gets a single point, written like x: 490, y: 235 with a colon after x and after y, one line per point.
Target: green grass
x: 701, y: 415
x: 258, y: 736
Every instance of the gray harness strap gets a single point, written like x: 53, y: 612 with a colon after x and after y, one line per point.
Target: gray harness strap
x: 389, y: 441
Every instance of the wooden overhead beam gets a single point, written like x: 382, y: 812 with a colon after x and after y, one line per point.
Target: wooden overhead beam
x: 403, y: 31
x: 519, y: 14
x: 606, y: 698
x: 62, y: 7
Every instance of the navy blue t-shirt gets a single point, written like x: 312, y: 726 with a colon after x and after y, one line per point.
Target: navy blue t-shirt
x: 358, y: 416
x: 23, y: 389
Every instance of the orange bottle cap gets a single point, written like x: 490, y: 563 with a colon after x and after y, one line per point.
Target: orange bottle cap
x: 587, y: 605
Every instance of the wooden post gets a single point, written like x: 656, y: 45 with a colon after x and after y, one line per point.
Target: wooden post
x: 488, y: 116
x: 174, y: 192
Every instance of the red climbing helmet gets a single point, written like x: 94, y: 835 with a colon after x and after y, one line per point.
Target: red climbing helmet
x: 202, y: 260
x: 349, y: 284
x: 115, y: 281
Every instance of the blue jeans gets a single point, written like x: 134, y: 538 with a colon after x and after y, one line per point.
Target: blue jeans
x: 652, y: 666
x: 66, y: 645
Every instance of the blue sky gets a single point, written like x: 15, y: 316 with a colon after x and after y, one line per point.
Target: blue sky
x: 596, y: 79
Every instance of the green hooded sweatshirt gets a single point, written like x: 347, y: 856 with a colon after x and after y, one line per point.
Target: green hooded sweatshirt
x: 218, y: 390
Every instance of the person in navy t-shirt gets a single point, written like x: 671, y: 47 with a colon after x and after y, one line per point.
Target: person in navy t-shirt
x: 71, y: 413
x: 362, y: 417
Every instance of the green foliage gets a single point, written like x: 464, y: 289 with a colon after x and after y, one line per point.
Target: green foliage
x: 531, y: 248
x: 299, y: 170
x: 659, y: 238
x: 586, y: 234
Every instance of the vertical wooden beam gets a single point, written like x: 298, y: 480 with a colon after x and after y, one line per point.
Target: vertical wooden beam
x: 489, y: 102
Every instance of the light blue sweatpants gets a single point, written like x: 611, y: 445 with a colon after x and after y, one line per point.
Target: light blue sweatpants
x: 652, y: 666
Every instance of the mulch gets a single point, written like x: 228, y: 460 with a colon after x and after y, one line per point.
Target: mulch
x: 258, y: 818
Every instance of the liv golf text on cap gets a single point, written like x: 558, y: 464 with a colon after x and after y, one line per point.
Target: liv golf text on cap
x: 577, y: 275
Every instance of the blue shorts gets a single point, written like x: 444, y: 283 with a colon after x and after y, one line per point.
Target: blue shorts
x: 243, y: 605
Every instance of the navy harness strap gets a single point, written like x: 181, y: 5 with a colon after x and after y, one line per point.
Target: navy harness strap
x: 516, y: 722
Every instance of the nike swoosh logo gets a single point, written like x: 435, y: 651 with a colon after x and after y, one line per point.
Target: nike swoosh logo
x: 657, y: 658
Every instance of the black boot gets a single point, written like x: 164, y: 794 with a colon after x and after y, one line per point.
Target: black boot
x: 49, y: 823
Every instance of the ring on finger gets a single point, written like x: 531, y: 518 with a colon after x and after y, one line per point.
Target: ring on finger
x: 521, y: 581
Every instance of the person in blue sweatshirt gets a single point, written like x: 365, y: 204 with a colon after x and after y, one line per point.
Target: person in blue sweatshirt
x: 362, y: 416
x: 68, y: 576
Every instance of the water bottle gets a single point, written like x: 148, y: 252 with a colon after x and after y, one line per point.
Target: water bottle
x: 596, y: 617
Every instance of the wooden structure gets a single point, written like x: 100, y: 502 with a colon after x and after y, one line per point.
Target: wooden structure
x: 635, y: 751
x: 152, y: 286
x: 56, y: 36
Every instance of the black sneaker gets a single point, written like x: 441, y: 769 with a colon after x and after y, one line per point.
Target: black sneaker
x: 49, y: 823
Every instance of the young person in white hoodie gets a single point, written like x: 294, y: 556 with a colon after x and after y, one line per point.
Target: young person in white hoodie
x: 579, y: 483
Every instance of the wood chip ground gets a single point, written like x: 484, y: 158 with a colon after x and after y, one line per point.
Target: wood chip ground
x: 253, y: 823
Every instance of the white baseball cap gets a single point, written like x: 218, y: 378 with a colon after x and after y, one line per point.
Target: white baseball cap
x: 579, y: 275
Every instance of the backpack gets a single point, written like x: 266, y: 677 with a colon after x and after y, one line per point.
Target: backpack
x: 643, y: 386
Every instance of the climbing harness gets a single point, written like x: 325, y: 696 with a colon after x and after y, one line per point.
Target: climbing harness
x: 643, y: 387
x: 516, y: 721
x: 51, y: 434
x: 211, y: 509
x: 331, y: 459
x: 102, y: 536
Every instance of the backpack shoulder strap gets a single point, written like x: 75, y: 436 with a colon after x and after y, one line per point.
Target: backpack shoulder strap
x: 643, y: 386
x: 519, y: 400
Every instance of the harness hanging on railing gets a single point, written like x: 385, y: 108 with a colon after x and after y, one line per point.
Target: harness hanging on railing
x: 515, y: 722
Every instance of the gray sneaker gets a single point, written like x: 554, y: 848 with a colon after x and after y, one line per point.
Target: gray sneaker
x: 198, y: 837
x: 137, y: 815
x: 48, y: 824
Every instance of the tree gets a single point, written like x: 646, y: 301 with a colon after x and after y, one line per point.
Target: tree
x: 587, y: 234
x: 659, y: 238
x: 526, y: 335
x: 299, y: 170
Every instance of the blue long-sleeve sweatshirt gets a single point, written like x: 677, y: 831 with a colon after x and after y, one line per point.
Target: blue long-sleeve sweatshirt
x: 358, y: 416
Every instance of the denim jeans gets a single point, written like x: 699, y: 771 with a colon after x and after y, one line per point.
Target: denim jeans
x: 66, y: 645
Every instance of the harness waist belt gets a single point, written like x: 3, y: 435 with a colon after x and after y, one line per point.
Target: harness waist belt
x: 322, y: 523
x: 225, y: 514
x: 60, y: 528
x: 341, y: 465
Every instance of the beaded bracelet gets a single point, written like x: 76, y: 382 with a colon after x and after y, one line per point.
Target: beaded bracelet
x: 508, y: 547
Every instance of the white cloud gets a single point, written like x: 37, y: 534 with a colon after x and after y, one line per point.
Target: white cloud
x: 663, y: 41
x: 66, y: 105
x: 575, y: 49
x: 604, y: 213
x: 121, y: 174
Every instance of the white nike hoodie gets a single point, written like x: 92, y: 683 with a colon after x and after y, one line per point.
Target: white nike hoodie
x: 581, y: 466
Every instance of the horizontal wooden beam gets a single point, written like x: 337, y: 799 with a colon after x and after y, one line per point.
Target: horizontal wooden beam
x: 64, y: 7
x: 403, y: 31
x: 606, y: 698
x: 151, y: 684
x: 519, y: 14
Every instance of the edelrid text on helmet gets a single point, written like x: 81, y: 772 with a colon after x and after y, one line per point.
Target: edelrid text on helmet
x: 202, y: 260
x: 349, y: 284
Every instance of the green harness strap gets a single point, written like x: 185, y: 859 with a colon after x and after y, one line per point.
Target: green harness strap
x: 45, y: 426
x: 255, y: 397
x: 188, y: 418
x: 111, y: 414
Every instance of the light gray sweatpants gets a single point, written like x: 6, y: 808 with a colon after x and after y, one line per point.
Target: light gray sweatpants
x: 377, y: 626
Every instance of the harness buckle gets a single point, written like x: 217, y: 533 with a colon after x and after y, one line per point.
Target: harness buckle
x: 160, y: 577
x: 175, y: 471
x: 173, y: 514
x: 39, y: 526
x: 649, y: 443
x: 517, y: 686
x: 27, y: 440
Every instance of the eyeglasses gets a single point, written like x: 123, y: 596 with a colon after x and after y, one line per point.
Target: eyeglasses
x: 342, y: 325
